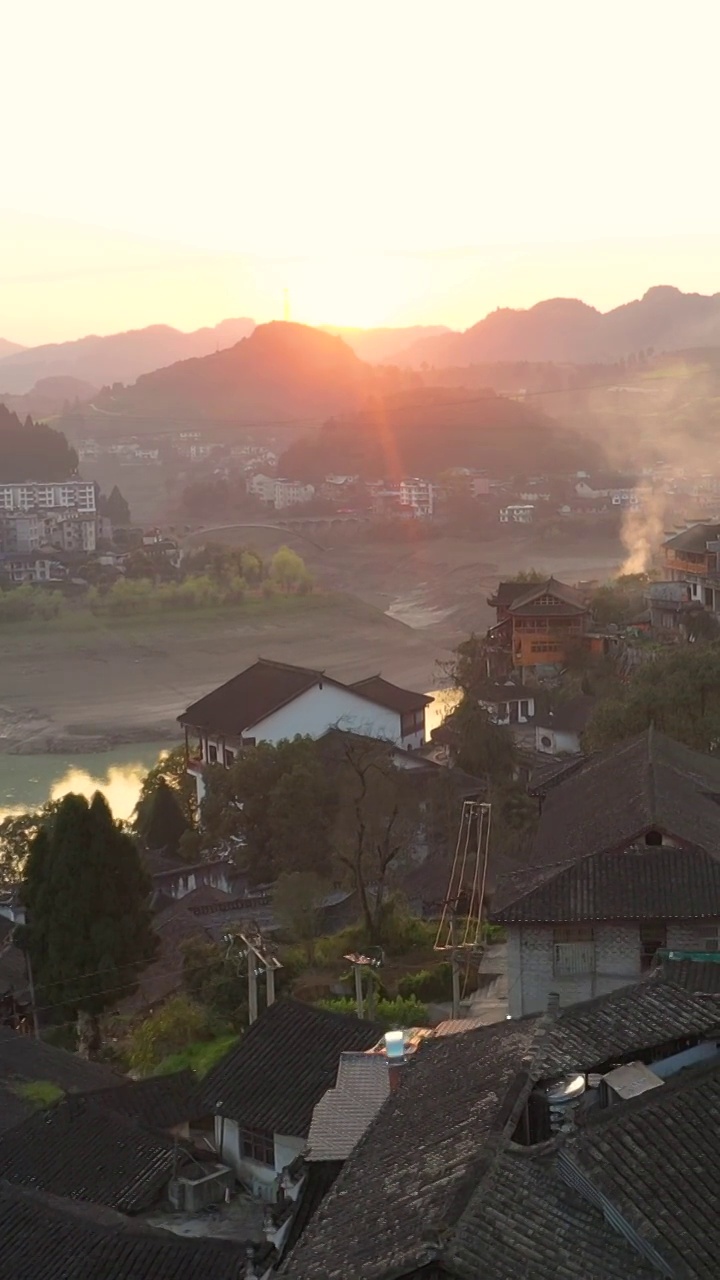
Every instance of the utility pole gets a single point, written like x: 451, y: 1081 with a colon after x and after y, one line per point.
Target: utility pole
x: 365, y: 964
x: 257, y: 951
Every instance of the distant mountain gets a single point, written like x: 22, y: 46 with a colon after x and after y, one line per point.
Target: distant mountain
x: 49, y: 396
x: 565, y: 330
x: 9, y: 348
x: 281, y: 371
x: 383, y: 346
x: 120, y: 357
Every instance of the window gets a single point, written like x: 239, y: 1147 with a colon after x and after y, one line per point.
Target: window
x: 653, y: 936
x: 573, y: 950
x: 229, y: 758
x: 524, y: 709
x: 712, y: 941
x: 412, y: 722
x: 212, y: 753
x: 257, y: 1144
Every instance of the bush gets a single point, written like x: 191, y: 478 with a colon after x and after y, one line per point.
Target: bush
x: 435, y: 985
x: 389, y: 1013
x: 175, y: 1027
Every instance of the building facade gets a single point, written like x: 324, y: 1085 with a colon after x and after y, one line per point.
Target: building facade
x: 537, y: 625
x: 693, y: 557
x: 34, y: 515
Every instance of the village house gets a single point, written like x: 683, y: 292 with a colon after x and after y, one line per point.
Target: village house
x: 624, y: 863
x: 272, y: 701
x: 263, y: 1092
x: 537, y: 626
x: 691, y: 557
x: 558, y: 731
x: 565, y: 1144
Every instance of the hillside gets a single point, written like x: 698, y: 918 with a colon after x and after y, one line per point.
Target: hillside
x: 48, y: 397
x: 281, y: 371
x: 567, y: 330
x: 385, y: 345
x: 9, y: 348
x: 426, y: 431
x: 120, y: 357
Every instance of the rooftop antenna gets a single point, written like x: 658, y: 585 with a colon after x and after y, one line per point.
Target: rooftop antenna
x: 467, y: 886
x: 286, y: 306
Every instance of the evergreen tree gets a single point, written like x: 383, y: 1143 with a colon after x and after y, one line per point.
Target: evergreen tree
x: 116, y: 508
x: 88, y: 931
x: 161, y: 822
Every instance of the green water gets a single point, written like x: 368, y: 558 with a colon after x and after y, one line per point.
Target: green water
x: 26, y: 782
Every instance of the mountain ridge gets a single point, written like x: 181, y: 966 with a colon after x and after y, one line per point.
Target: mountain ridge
x: 567, y: 330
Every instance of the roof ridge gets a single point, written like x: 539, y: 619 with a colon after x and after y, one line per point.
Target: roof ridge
x: 288, y: 666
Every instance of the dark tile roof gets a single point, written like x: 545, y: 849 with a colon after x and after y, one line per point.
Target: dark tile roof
x: 23, y: 1058
x: 282, y: 1066
x: 406, y: 1182
x: 532, y: 610
x: 158, y: 1102
x: 252, y: 695
x: 656, y: 1160
x: 701, y: 977
x: 80, y: 1151
x: 319, y: 1178
x: 656, y: 883
x: 435, y: 1178
x: 694, y: 538
x: 505, y: 593
x: 46, y: 1238
x: 649, y: 781
x: 390, y: 695
x: 570, y: 715
x: 552, y: 587
x: 524, y: 1221
x: 14, y: 1108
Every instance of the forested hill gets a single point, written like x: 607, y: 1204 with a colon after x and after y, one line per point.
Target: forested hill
x: 32, y: 451
x: 426, y: 431
x: 281, y: 371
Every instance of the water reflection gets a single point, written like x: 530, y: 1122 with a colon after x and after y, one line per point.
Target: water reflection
x: 27, y: 782
x: 445, y: 701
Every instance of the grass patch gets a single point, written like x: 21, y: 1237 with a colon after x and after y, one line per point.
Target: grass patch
x: 198, y: 1057
x: 39, y: 1093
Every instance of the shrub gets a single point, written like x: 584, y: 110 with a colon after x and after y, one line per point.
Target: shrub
x: 388, y: 1013
x: 175, y: 1027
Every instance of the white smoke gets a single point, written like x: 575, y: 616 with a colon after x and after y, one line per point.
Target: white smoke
x: 642, y: 529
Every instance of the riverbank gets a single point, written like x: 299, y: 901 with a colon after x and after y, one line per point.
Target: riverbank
x: 66, y: 690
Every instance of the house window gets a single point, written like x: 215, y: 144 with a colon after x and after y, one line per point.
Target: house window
x: 258, y: 1145
x: 412, y: 722
x: 524, y: 709
x: 229, y: 758
x: 573, y: 950
x: 212, y: 753
x: 712, y: 941
x: 653, y: 937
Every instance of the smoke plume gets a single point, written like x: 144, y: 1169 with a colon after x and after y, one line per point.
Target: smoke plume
x: 642, y: 529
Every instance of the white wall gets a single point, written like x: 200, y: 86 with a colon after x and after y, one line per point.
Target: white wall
x: 227, y: 1142
x: 319, y: 709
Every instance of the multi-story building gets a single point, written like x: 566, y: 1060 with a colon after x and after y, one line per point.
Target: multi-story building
x: 417, y: 496
x: 36, y: 514
x: 693, y: 556
x: 279, y: 492
x: 537, y: 625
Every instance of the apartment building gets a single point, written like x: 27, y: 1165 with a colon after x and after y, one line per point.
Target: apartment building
x: 36, y: 514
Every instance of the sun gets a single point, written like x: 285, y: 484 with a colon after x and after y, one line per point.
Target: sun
x: 353, y: 291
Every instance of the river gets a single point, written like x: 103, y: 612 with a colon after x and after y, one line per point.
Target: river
x: 26, y: 782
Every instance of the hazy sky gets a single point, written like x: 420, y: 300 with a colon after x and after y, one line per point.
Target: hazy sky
x: 389, y: 162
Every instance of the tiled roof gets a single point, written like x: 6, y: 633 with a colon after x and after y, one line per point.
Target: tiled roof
x: 656, y: 1160
x: 400, y: 1189
x: 158, y: 1102
x: 343, y: 1114
x: 13, y: 1107
x: 649, y: 782
x: 702, y: 977
x: 658, y: 883
x: 524, y: 1222
x: 694, y: 538
x: 551, y: 587
x: 77, y: 1150
x: 573, y: 714
x: 390, y: 695
x: 435, y: 1179
x: 26, y: 1059
x: 532, y: 610
x: 251, y: 696
x: 283, y: 1064
x: 319, y: 1178
x: 45, y: 1238
x: 506, y: 592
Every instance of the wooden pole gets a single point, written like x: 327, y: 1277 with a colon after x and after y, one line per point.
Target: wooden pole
x: 252, y: 987
x: 359, y: 991
x: 455, y: 986
x: 270, y: 975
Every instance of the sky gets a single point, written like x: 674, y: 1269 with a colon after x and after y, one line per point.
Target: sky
x: 386, y: 162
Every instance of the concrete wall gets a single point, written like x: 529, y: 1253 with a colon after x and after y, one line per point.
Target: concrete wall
x: 531, y: 975
x: 253, y: 1174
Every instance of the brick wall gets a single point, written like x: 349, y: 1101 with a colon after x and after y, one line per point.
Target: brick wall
x: 617, y: 962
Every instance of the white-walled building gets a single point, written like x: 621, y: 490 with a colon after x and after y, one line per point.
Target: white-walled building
x: 272, y: 701
x: 623, y: 865
x: 417, y: 496
x: 278, y: 492
x: 35, y: 514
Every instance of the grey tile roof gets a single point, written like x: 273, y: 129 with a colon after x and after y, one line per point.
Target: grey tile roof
x: 702, y: 977
x: 283, y: 1064
x: 82, y: 1152
x: 406, y: 1180
x: 26, y: 1059
x: 343, y: 1113
x: 693, y: 539
x: 159, y: 1102
x: 249, y: 697
x: 13, y: 1107
x: 45, y: 1238
x: 390, y: 695
x: 656, y: 1160
x: 649, y: 782
x: 524, y: 1222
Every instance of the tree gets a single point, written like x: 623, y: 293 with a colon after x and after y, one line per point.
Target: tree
x: 178, y: 1024
x: 88, y: 931
x: 161, y: 823
x: 116, y: 508
x: 276, y: 805
x: 171, y: 769
x: 679, y: 693
x: 478, y: 745
x: 378, y: 821
x: 297, y: 899
x: 215, y: 981
x: 288, y: 569
x: 32, y: 450
x: 17, y: 833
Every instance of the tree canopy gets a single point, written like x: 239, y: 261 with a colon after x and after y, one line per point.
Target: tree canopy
x: 88, y: 931
x: 33, y: 451
x: 115, y: 507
